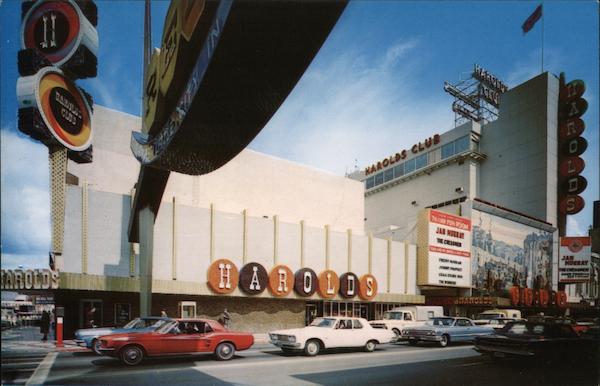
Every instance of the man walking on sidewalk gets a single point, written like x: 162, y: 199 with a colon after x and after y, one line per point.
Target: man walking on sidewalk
x: 45, y: 325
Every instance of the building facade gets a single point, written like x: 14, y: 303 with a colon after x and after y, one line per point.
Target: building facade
x: 214, y: 237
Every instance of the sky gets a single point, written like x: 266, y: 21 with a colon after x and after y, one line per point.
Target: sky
x: 375, y: 87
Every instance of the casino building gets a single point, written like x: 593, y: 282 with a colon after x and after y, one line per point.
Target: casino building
x: 502, y: 176
x: 274, y: 242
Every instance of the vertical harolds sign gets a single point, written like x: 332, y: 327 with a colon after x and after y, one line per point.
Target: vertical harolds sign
x: 444, y: 249
x: 575, y: 255
x: 571, y: 106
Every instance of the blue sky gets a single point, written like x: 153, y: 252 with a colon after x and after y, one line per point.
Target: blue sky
x: 375, y: 87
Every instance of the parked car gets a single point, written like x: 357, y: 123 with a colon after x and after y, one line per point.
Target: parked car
x: 486, y: 316
x: 544, y: 338
x: 88, y: 337
x: 331, y: 332
x: 399, y: 318
x: 177, y: 337
x: 497, y: 323
x: 445, y: 330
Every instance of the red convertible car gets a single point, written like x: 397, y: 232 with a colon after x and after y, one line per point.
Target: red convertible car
x: 178, y: 337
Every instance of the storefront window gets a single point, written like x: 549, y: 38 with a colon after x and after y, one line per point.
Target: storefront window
x: 448, y: 150
x: 389, y: 175
x: 378, y: 179
x: 462, y: 144
x: 409, y: 166
x: 370, y: 182
x: 421, y: 161
x: 398, y: 170
x: 187, y: 309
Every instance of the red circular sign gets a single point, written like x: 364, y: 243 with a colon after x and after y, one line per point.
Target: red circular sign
x: 281, y: 281
x: 571, y: 204
x: 53, y: 28
x: 574, y: 185
x: 571, y: 128
x: 368, y: 287
x: 329, y: 284
x: 223, y: 276
x: 571, y: 166
x: 572, y: 90
x: 574, y: 146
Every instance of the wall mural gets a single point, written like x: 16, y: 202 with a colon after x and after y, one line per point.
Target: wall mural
x: 507, y: 253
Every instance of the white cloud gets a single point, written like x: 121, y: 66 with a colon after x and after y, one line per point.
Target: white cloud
x: 573, y: 228
x: 25, y: 201
x: 365, y: 109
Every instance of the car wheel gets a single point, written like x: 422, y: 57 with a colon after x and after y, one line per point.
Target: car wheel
x: 96, y: 346
x: 445, y: 340
x: 397, y: 332
x: 370, y: 346
x: 413, y: 342
x: 132, y: 355
x: 224, y: 351
x: 312, y: 348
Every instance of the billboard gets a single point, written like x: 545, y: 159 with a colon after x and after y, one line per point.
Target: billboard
x: 444, y: 242
x: 574, y: 263
x: 507, y: 253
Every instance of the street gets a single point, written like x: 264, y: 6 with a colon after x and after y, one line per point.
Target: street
x: 264, y: 364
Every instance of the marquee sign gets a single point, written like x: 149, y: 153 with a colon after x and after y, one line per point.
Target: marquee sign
x: 444, y: 256
x: 416, y: 148
x: 61, y: 33
x: 571, y: 106
x: 223, y: 278
x: 63, y: 108
x: 29, y: 279
x: 574, y: 264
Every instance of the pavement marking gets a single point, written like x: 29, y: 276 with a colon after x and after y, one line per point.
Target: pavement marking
x: 41, y: 373
x: 470, y: 364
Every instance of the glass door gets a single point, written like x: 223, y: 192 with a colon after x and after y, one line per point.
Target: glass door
x: 90, y: 313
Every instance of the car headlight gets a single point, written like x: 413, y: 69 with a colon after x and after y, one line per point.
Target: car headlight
x: 430, y: 332
x: 405, y: 332
x: 292, y: 338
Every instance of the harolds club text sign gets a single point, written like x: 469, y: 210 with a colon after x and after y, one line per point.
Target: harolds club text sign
x: 224, y: 277
x: 574, y: 263
x: 447, y: 244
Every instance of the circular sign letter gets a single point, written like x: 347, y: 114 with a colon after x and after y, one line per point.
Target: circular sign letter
x: 223, y: 276
x: 329, y: 284
x: 367, y: 289
x: 281, y: 281
x: 253, y: 278
x: 348, y: 285
x: 306, y: 282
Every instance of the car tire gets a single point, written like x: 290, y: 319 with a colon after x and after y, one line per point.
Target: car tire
x: 370, y: 346
x: 132, y: 355
x: 96, y: 346
x: 445, y: 340
x: 397, y: 332
x: 413, y: 342
x: 312, y: 348
x: 224, y: 351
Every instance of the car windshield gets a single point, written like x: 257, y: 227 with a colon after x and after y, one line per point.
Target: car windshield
x: 488, y: 316
x: 440, y: 322
x: 132, y: 323
x: 323, y: 322
x: 497, y: 321
x: 388, y: 315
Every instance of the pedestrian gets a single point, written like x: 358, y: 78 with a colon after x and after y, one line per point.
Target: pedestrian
x: 226, y: 318
x: 90, y: 317
x: 163, y: 313
x: 45, y: 325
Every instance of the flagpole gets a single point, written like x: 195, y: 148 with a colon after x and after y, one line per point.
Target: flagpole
x: 542, y: 37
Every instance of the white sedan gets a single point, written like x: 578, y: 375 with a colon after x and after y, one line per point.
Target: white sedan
x: 331, y: 332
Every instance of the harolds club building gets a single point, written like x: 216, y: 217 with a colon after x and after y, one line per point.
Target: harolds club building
x: 274, y: 242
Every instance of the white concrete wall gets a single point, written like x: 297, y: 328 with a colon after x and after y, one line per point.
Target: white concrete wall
x: 262, y: 184
x: 109, y: 253
x: 520, y: 171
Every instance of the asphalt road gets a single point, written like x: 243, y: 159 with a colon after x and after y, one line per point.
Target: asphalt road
x: 398, y: 364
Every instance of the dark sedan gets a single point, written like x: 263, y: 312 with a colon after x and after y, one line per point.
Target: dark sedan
x: 545, y: 339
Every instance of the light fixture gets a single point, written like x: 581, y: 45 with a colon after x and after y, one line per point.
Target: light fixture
x: 460, y: 189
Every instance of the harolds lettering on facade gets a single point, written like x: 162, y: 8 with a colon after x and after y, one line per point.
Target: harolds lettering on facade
x: 223, y: 278
x: 416, y: 148
x: 19, y: 279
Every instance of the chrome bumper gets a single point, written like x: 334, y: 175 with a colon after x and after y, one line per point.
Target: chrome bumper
x: 283, y: 344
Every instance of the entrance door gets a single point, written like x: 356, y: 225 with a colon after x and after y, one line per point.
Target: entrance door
x: 364, y: 311
x: 187, y: 309
x: 310, y: 314
x: 90, y: 313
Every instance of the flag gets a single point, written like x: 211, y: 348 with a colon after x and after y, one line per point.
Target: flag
x: 532, y: 19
